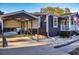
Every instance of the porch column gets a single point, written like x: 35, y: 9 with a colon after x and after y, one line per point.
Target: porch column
x: 31, y: 27
x: 61, y: 26
x: 27, y: 27
x: 22, y: 27
x: 38, y: 24
x: 69, y: 23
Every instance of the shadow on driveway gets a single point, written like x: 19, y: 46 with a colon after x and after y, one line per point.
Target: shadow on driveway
x: 33, y: 50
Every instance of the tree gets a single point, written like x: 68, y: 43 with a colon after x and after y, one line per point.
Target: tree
x: 58, y: 11
x: 55, y: 10
x: 1, y: 13
x: 47, y: 10
x: 67, y: 10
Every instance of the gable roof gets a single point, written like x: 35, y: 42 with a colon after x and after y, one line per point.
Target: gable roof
x: 17, y: 12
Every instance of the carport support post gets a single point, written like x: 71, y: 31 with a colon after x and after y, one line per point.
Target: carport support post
x: 4, y: 43
x: 37, y: 34
x: 27, y: 27
x: 38, y: 28
x: 22, y: 27
x: 31, y: 28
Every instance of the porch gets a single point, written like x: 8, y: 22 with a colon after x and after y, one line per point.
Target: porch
x: 67, y: 25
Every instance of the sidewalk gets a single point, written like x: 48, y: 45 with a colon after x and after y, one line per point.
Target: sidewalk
x: 55, y: 41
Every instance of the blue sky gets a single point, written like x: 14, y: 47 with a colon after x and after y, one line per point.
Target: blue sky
x: 35, y: 7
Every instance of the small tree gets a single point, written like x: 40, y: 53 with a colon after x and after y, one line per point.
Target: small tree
x: 67, y: 10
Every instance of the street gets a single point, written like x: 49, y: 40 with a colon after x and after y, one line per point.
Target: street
x: 39, y: 50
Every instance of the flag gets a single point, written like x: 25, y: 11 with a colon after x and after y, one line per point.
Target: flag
x: 76, y: 20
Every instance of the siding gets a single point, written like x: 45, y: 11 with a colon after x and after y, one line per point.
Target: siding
x: 43, y: 24
x: 16, y: 24
x: 53, y: 31
x: 34, y: 22
x: 12, y: 24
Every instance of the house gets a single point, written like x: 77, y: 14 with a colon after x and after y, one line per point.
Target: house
x: 52, y: 25
x: 69, y: 23
x: 19, y: 20
x: 49, y: 24
x: 43, y: 23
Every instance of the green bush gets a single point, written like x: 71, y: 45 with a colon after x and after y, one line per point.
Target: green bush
x: 64, y: 34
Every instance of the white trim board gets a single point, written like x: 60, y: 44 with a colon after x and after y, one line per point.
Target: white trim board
x: 47, y: 24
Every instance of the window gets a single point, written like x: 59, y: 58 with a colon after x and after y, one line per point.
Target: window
x: 72, y: 22
x: 55, y: 22
x: 65, y: 23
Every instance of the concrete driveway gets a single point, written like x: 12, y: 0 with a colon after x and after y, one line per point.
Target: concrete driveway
x: 45, y: 49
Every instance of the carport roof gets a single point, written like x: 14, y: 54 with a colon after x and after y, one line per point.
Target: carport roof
x: 17, y: 12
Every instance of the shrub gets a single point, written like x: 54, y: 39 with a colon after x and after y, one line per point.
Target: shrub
x: 64, y: 34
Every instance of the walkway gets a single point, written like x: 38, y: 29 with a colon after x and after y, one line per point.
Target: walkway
x: 65, y: 44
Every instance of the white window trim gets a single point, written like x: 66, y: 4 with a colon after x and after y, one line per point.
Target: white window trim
x: 55, y: 26
x: 69, y: 25
x: 47, y: 23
